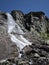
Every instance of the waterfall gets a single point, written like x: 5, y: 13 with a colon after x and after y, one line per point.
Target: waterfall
x: 11, y: 23
x: 14, y: 27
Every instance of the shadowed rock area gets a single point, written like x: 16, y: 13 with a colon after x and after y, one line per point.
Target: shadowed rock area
x: 35, y: 26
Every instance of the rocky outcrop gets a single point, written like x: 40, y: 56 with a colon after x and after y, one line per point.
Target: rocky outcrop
x: 19, y: 18
x: 36, y: 20
x: 35, y: 25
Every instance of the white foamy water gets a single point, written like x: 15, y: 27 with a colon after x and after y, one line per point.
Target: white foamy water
x: 19, y: 43
x: 25, y: 41
x: 14, y: 27
x: 11, y: 23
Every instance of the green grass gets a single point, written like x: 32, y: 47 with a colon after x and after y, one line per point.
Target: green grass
x: 45, y: 35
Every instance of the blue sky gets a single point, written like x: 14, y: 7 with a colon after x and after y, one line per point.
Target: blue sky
x: 25, y: 5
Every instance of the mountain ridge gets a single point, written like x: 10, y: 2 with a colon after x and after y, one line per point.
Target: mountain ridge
x: 35, y: 25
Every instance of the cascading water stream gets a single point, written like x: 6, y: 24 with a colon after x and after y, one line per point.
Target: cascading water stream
x: 14, y: 27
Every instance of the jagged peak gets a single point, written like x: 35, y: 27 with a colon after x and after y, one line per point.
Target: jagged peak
x: 17, y: 12
x: 36, y: 14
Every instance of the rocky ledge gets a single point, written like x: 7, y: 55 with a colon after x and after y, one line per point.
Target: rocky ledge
x: 35, y: 25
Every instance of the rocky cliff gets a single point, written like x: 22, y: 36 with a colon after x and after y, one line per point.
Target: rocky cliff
x: 25, y: 35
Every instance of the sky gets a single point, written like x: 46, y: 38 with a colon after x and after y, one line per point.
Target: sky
x: 25, y: 5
